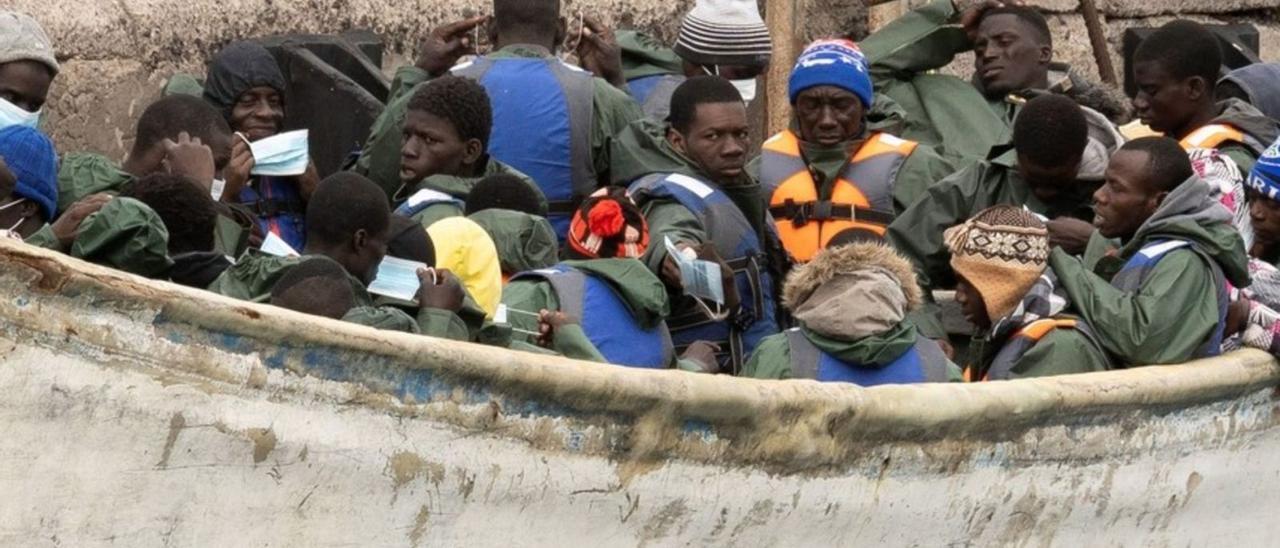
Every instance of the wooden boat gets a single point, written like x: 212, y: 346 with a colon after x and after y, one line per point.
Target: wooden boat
x: 139, y: 413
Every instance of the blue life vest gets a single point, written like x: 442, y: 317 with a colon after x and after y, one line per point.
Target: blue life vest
x: 1133, y: 275
x: 653, y: 93
x: 738, y: 244
x: 543, y: 113
x: 606, y: 319
x: 923, y: 362
x: 640, y: 88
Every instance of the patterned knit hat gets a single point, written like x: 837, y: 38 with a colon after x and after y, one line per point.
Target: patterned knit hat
x: 33, y: 160
x: 1001, y: 252
x: 609, y: 225
x: 724, y: 32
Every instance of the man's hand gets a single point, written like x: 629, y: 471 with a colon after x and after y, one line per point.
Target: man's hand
x: 189, y: 158
x: 442, y: 48
x: 548, y: 323
x: 598, y: 52
x: 704, y: 354
x: 1072, y: 235
x: 308, y: 181
x: 68, y: 225
x: 671, y: 270
x: 442, y: 291
x: 236, y: 174
x: 971, y: 17
x: 727, y: 280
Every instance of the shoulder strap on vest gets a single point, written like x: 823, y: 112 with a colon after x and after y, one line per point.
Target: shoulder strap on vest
x: 569, y: 284
x: 423, y: 199
x: 1021, y: 342
x: 1212, y: 135
x: 805, y: 357
x: 932, y: 360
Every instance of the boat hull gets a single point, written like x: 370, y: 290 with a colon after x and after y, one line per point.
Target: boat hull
x: 138, y: 413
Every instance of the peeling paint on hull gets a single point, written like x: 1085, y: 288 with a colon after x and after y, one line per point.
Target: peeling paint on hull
x: 137, y: 413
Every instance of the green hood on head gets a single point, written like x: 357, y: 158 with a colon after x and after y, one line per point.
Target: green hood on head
x: 1190, y: 213
x: 460, y: 187
x: 642, y: 148
x: 635, y: 283
x: 126, y: 235
x: 644, y: 55
x: 524, y: 242
x: 1250, y: 120
x: 83, y: 174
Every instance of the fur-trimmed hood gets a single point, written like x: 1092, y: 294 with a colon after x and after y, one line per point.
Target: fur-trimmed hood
x: 828, y: 264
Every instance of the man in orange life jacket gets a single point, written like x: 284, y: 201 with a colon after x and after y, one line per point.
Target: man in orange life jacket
x: 1175, y: 69
x: 836, y: 174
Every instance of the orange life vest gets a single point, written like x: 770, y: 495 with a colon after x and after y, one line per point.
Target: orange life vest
x: 861, y: 197
x: 1212, y: 136
x: 1022, y: 341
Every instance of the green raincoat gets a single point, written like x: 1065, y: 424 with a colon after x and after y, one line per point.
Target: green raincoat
x: 917, y: 232
x: 524, y: 242
x: 1176, y: 310
x: 380, y: 158
x: 126, y: 235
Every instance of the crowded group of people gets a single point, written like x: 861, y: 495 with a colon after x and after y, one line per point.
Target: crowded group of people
x: 608, y: 209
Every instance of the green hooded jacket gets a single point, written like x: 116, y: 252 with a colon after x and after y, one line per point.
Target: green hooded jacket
x: 254, y: 276
x: 851, y: 303
x: 1253, y: 123
x: 643, y: 149
x: 126, y: 235
x: 459, y: 188
x: 954, y: 115
x: 1176, y: 310
x: 644, y: 55
x: 917, y: 232
x: 524, y: 242
x: 380, y: 158
x: 83, y: 174
x: 639, y: 288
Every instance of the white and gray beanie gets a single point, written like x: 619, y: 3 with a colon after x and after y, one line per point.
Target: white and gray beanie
x: 22, y: 39
x: 724, y: 32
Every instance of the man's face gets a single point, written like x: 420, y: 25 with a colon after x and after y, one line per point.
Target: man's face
x: 1009, y: 55
x: 258, y: 113
x: 972, y: 306
x: 25, y: 84
x: 1049, y: 184
x: 828, y: 115
x: 1164, y: 103
x: 431, y: 146
x: 1127, y: 199
x: 716, y: 141
x: 1265, y: 216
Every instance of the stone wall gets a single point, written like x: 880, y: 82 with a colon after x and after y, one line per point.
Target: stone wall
x: 116, y: 55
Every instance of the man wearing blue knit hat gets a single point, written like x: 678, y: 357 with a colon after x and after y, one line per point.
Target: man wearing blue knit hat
x: 32, y: 161
x: 1264, y: 205
x: 830, y: 173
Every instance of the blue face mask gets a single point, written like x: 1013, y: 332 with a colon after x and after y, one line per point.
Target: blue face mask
x: 398, y: 279
x: 14, y: 115
x: 282, y: 155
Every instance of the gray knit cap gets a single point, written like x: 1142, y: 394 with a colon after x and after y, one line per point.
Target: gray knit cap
x: 724, y: 32
x: 22, y: 39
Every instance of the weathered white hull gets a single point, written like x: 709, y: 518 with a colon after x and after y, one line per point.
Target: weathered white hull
x: 142, y: 414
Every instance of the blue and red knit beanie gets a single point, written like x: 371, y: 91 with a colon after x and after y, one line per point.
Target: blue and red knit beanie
x: 836, y: 63
x: 32, y: 159
x: 1265, y: 177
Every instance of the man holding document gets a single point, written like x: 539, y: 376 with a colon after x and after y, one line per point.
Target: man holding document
x: 717, y: 265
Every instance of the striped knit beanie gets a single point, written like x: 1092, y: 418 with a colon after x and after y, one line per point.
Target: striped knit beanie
x: 608, y: 225
x: 1001, y: 252
x: 724, y: 32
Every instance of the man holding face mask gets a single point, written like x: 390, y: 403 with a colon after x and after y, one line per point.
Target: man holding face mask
x: 831, y: 173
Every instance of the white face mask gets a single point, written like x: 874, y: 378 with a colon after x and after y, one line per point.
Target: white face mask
x: 746, y: 88
x: 285, y: 154
x: 14, y: 115
x: 20, y: 220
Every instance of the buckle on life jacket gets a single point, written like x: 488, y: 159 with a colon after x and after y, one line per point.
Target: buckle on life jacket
x: 821, y: 210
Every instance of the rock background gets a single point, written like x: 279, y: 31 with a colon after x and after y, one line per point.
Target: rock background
x: 117, y: 55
